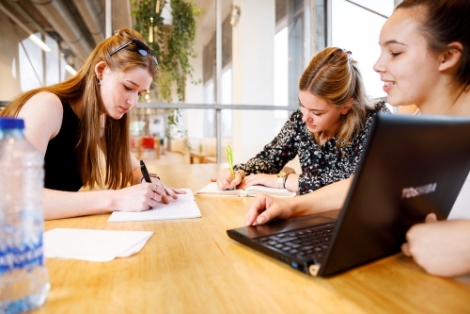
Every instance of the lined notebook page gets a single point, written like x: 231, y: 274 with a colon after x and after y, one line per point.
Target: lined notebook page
x: 184, y: 207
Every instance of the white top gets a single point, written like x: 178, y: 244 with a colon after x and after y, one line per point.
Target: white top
x: 461, y: 208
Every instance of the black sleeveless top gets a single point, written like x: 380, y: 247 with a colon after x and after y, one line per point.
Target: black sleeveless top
x: 61, y: 162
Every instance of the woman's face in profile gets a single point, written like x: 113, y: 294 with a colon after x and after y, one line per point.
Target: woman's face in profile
x: 406, y: 66
x: 120, y: 91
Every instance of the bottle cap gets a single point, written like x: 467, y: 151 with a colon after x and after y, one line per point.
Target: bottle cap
x: 11, y: 123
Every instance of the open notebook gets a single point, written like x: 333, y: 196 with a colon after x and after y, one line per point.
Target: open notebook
x: 211, y: 189
x: 183, y: 207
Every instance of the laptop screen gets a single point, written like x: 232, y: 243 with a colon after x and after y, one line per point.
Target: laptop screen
x: 412, y: 166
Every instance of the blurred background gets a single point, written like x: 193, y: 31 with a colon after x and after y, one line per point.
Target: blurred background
x: 238, y: 62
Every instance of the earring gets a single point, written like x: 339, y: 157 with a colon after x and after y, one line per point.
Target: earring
x: 98, y: 81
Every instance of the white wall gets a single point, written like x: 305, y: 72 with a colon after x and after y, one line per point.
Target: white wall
x: 253, y: 72
x: 194, y: 92
x: 358, y: 30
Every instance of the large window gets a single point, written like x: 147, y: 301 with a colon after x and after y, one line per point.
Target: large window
x: 31, y: 65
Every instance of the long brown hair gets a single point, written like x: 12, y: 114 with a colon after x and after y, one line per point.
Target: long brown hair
x: 83, y: 89
x: 333, y: 76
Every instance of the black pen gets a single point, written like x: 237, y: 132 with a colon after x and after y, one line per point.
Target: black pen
x: 145, y: 172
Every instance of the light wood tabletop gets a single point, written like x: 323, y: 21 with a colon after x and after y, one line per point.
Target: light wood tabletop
x: 192, y: 266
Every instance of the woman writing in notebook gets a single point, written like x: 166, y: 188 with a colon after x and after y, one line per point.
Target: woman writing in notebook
x: 327, y: 132
x: 77, y: 122
x: 425, y: 61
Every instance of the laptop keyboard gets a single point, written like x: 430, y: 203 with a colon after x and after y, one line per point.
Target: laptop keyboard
x: 303, y: 243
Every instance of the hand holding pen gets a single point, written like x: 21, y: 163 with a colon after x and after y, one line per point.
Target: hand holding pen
x: 228, y: 178
x: 157, y: 189
x: 230, y: 162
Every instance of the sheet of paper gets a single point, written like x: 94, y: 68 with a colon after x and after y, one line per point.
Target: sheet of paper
x: 182, y: 208
x: 93, y: 245
x: 212, y: 189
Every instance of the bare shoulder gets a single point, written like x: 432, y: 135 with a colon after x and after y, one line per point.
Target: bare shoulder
x: 42, y: 114
x: 44, y: 102
x: 42, y: 108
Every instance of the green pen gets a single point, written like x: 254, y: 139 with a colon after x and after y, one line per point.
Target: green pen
x: 230, y: 162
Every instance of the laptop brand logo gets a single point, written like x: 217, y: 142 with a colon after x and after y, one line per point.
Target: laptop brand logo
x: 417, y: 191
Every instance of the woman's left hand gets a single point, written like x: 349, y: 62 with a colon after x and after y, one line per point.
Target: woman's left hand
x: 440, y: 247
x: 172, y: 192
x: 269, y: 180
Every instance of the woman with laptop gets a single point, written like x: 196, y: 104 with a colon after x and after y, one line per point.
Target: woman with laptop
x: 425, y: 61
x: 327, y: 132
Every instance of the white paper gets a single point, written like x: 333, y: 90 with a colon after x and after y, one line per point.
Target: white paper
x: 183, y: 207
x: 212, y: 189
x: 93, y: 245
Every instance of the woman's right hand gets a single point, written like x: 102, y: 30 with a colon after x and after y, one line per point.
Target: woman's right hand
x: 265, y: 208
x: 225, y: 181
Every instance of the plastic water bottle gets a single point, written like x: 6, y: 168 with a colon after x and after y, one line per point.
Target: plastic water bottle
x: 24, y: 280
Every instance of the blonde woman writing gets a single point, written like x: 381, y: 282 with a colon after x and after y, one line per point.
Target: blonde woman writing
x: 327, y: 132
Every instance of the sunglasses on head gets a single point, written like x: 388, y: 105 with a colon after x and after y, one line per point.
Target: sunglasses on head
x: 141, y: 48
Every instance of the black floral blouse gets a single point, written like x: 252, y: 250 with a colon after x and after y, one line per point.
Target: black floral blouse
x: 321, y: 165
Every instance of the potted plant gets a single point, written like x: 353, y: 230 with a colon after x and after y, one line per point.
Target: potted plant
x: 173, y: 44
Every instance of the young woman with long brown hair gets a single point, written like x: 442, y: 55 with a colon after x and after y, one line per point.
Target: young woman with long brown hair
x: 76, y: 123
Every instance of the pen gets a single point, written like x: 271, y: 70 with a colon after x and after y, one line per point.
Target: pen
x: 230, y: 162
x: 145, y: 172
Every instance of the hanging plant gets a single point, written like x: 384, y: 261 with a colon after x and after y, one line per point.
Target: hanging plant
x: 173, y: 44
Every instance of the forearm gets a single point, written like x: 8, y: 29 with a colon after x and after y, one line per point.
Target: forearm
x: 269, y: 160
x: 60, y: 204
x: 257, y: 165
x: 292, y: 182
x: 330, y: 197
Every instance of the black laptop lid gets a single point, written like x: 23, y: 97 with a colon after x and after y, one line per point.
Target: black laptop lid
x: 412, y: 166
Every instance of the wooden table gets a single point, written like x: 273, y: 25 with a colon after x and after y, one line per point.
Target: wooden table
x: 191, y: 266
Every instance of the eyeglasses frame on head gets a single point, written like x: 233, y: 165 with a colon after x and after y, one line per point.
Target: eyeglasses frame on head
x: 140, y: 48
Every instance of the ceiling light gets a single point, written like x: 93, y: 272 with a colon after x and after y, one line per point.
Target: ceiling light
x: 70, y: 69
x: 33, y: 37
x: 39, y: 42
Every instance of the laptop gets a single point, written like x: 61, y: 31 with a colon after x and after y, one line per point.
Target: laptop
x: 411, y: 166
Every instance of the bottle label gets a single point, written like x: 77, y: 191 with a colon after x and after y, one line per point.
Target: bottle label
x: 20, y: 257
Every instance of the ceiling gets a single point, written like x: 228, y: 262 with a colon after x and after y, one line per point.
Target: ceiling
x: 77, y: 25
